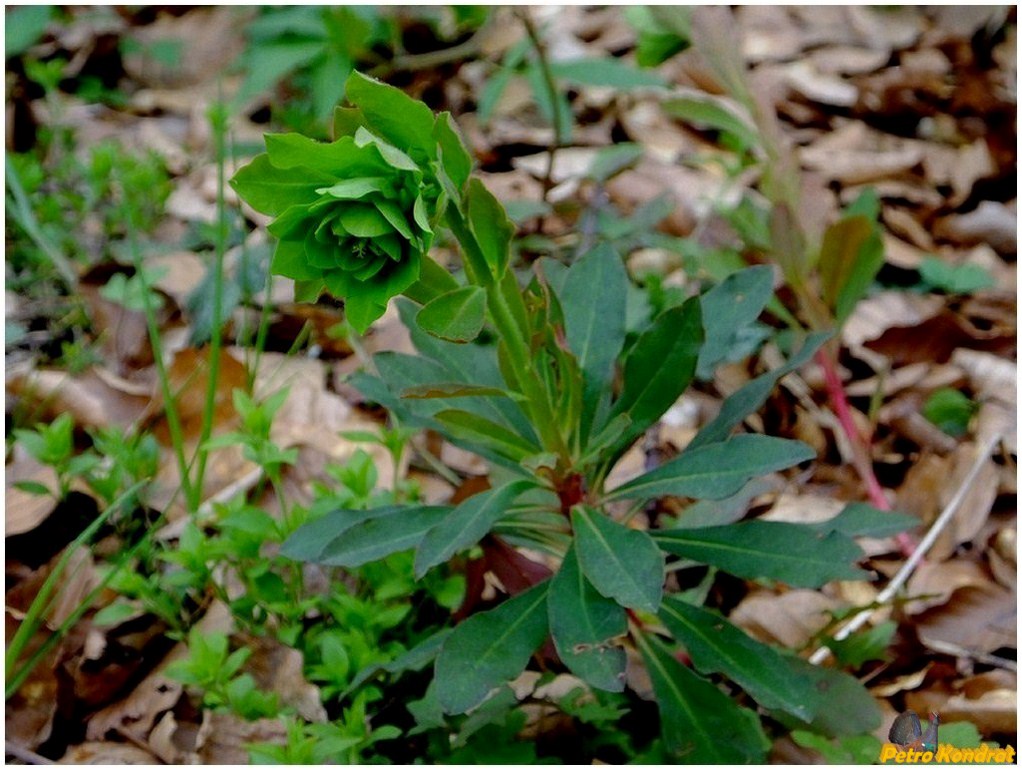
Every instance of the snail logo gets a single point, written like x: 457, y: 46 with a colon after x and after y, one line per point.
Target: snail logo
x: 910, y: 745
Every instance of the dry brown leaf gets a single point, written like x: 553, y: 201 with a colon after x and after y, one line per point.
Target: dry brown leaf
x: 933, y: 583
x: 976, y: 619
x: 820, y: 87
x: 277, y: 668
x: 885, y: 310
x: 990, y: 222
x: 222, y: 738
x: 90, y: 397
x: 24, y: 511
x: 791, y: 619
x: 852, y: 154
x: 107, y: 753
x: 995, y: 711
x: 902, y: 683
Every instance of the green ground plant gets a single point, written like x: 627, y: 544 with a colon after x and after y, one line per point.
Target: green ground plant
x: 525, y: 377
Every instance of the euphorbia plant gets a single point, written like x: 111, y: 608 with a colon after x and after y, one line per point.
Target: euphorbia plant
x: 540, y: 401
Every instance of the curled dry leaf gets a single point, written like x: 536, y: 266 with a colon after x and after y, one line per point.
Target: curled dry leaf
x: 277, y: 668
x: 933, y: 583
x: 980, y: 618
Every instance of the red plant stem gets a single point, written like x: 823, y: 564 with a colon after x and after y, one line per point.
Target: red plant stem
x: 861, y: 456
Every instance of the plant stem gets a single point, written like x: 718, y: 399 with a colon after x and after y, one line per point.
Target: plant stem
x: 551, y: 87
x: 218, y: 121
x: 860, y: 444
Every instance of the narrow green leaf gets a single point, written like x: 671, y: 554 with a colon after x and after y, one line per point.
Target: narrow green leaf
x: 843, y: 244
x: 614, y: 159
x: 584, y: 625
x: 792, y: 553
x: 456, y: 316
x: 308, y: 541
x: 713, y: 112
x: 753, y: 394
x: 732, y: 306
x: 454, y: 156
x: 466, y: 525
x: 659, y: 367
x: 403, y: 121
x: 863, y: 520
x: 717, y: 470
x: 700, y: 723
x: 477, y: 429
x: 718, y: 647
x: 606, y: 71
x: 490, y: 648
x: 381, y: 536
x: 452, y: 390
x: 623, y: 564
x: 593, y: 300
x: 490, y: 225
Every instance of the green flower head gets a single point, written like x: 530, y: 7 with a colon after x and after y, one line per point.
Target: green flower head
x: 353, y: 216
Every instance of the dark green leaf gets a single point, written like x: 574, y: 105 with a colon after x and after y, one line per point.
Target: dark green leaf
x: 606, y: 72
x: 403, y: 121
x: 490, y: 648
x: 718, y: 647
x: 792, y: 553
x: 717, y: 470
x: 456, y: 316
x: 729, y: 308
x: 623, y: 564
x: 479, y: 430
x: 659, y: 368
x: 32, y: 487
x: 863, y: 520
x: 466, y: 525
x: 753, y: 394
x: 584, y: 625
x: 390, y: 530
x: 849, y: 708
x: 415, y: 659
x: 490, y: 225
x: 452, y: 390
x: 699, y: 723
x: 593, y: 300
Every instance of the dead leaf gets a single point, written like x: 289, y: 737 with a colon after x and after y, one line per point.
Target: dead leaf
x: 885, y: 310
x: 26, y: 510
x: 278, y: 668
x: 89, y: 397
x: 933, y: 583
x: 824, y: 88
x: 990, y: 222
x: 791, y: 619
x: 107, y: 753
x: 979, y: 618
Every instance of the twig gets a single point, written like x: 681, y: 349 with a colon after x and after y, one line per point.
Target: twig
x: 917, y: 556
x: 25, y: 755
x: 431, y: 59
x: 551, y: 87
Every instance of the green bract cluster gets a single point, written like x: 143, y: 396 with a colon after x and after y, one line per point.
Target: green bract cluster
x: 354, y: 216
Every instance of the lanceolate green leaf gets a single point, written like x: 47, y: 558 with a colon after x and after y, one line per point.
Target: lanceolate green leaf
x: 730, y: 307
x: 606, y: 72
x: 593, y: 299
x: 584, y: 625
x: 381, y: 536
x: 699, y: 723
x: 659, y: 368
x: 753, y: 394
x: 490, y: 648
x: 478, y: 430
x: 716, y: 646
x: 717, y: 470
x: 456, y: 316
x: 623, y: 564
x: 863, y: 520
x: 848, y: 708
x: 466, y: 525
x: 792, y: 553
x: 309, y: 540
